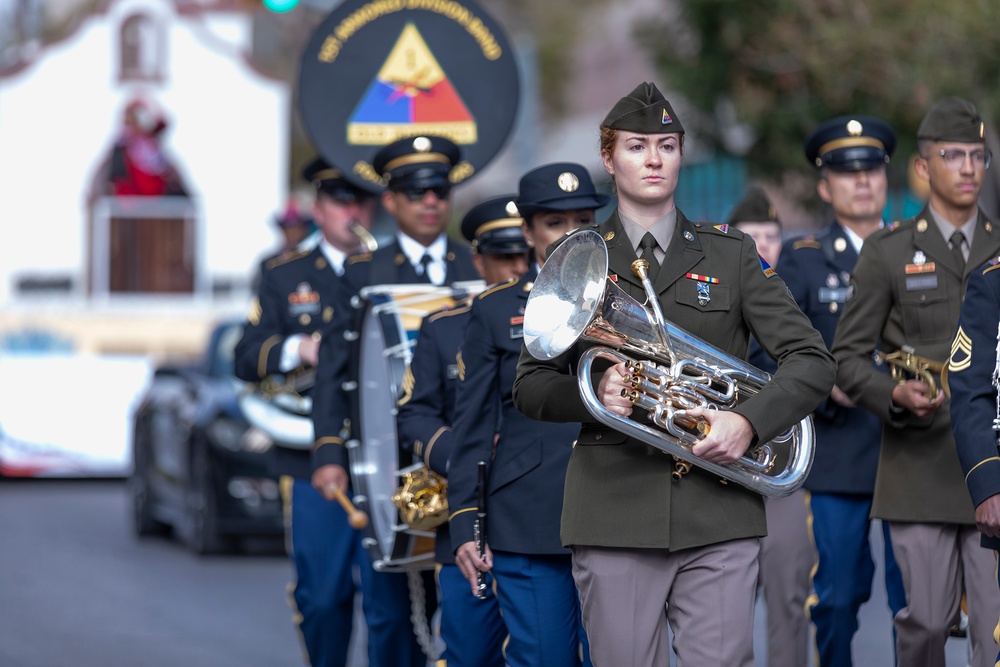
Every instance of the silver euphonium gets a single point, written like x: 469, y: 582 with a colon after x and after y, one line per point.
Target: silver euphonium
x: 573, y: 299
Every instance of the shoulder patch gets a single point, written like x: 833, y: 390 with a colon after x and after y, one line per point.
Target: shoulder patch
x: 497, y: 288
x: 357, y: 259
x: 286, y: 257
x: 407, y: 385
x: 807, y: 242
x: 765, y: 268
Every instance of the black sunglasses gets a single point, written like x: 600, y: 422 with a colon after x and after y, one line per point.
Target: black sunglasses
x: 415, y: 194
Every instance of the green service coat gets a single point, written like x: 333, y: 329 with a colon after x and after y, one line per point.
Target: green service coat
x: 907, y: 289
x: 619, y: 491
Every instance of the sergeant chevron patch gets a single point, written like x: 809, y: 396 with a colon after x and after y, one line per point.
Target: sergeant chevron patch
x: 961, y: 352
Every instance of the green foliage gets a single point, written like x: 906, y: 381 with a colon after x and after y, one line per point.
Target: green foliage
x: 787, y: 65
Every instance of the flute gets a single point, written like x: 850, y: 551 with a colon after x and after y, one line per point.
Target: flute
x: 479, y: 530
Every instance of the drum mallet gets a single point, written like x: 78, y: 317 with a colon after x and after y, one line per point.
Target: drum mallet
x: 355, y: 517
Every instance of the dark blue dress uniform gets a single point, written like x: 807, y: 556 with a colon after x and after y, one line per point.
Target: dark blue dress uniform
x: 472, y: 629
x: 426, y: 162
x: 525, y: 485
x: 841, y: 483
x: 973, y: 392
x: 971, y: 378
x: 817, y: 270
x: 296, y: 296
x: 386, y: 266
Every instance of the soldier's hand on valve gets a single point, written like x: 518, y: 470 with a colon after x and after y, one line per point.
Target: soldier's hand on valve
x: 610, y: 389
x: 728, y: 438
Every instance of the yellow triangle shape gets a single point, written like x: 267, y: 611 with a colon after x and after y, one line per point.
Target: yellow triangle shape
x: 411, y: 63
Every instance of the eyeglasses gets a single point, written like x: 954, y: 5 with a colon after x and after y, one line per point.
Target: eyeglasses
x: 416, y: 194
x: 955, y: 157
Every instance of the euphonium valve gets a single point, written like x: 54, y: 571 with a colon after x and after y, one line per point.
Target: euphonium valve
x: 573, y: 299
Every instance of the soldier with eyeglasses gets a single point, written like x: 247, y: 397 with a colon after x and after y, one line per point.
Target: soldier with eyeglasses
x: 907, y: 289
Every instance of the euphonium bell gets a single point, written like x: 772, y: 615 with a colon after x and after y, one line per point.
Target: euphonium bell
x: 573, y: 299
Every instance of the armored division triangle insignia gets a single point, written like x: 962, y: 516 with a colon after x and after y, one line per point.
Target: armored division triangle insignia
x: 410, y: 95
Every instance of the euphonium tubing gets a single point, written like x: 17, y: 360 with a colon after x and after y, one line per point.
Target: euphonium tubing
x: 572, y: 299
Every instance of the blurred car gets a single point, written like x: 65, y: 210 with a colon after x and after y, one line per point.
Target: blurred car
x: 199, y: 469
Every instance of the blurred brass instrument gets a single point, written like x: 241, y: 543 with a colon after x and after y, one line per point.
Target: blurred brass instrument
x: 367, y: 240
x: 574, y: 299
x: 422, y: 498
x: 277, y: 405
x: 905, y: 364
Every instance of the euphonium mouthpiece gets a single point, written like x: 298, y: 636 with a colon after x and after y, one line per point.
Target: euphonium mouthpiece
x: 640, y: 268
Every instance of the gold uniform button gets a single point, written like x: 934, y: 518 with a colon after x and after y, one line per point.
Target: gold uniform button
x: 598, y: 436
x: 304, y: 319
x: 834, y: 307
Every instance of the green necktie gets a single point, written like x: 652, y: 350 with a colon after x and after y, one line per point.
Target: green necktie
x: 647, y: 244
x: 956, y: 241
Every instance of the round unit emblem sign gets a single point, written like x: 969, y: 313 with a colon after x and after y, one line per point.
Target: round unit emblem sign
x: 380, y: 70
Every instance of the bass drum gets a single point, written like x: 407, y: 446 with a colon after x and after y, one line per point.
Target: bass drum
x: 387, y: 320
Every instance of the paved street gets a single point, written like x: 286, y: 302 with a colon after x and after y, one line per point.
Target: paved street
x: 78, y: 590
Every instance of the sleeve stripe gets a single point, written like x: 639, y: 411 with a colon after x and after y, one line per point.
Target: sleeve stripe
x: 430, y: 444
x: 992, y: 458
x: 265, y: 350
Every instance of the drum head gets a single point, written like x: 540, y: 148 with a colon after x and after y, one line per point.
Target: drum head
x: 387, y: 322
x: 380, y: 368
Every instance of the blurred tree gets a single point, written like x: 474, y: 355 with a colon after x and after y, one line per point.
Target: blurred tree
x: 784, y: 66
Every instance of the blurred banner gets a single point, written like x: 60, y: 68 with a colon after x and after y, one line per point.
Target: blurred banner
x: 68, y: 415
x: 380, y: 70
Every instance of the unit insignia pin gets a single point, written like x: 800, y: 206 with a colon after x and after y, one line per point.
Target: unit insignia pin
x: 703, y: 293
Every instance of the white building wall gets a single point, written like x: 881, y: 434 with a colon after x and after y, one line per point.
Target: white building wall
x: 59, y: 117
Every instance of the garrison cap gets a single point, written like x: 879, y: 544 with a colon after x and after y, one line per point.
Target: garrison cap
x: 953, y: 119
x: 329, y: 180
x: 851, y: 143
x: 754, y: 207
x: 494, y: 227
x: 643, y: 110
x: 417, y: 162
x: 560, y: 186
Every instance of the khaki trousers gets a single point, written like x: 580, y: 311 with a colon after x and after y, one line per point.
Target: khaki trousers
x: 938, y: 563
x: 787, y: 557
x: 706, y: 595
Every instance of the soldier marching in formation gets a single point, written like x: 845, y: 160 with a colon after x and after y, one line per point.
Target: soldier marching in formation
x: 594, y: 535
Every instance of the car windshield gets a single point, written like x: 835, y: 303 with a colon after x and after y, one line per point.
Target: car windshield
x: 221, y: 363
